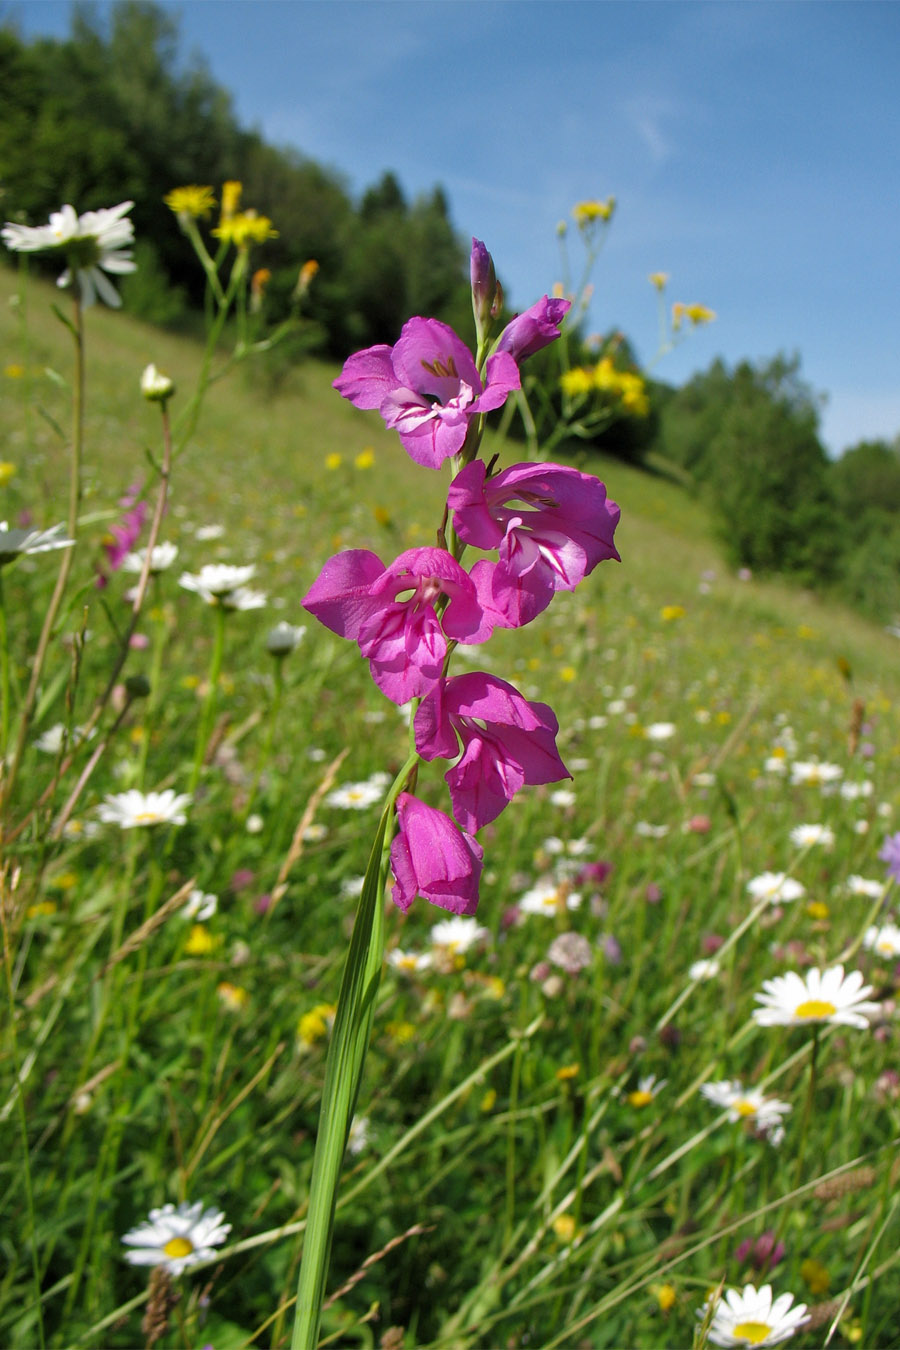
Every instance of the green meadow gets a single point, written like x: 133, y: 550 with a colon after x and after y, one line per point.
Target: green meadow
x: 533, y: 1162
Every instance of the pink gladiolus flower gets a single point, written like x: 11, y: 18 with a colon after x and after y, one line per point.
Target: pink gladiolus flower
x: 390, y: 613
x: 507, y: 743
x: 431, y: 857
x: 539, y: 326
x: 123, y: 535
x: 560, y: 526
x: 427, y: 386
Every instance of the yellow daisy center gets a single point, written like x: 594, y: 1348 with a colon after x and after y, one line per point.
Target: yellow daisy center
x: 745, y: 1108
x: 640, y: 1097
x: 815, y: 1007
x: 754, y: 1333
x: 146, y: 818
x: 178, y: 1246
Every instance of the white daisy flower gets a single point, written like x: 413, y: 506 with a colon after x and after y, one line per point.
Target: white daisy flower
x: 92, y: 243
x: 562, y: 797
x: 852, y: 792
x: 458, y: 934
x: 13, y: 543
x: 409, y: 963
x: 155, y: 386
x: 645, y: 1091
x: 134, y: 808
x: 776, y: 764
x: 753, y: 1317
x: 660, y: 731
x: 177, y: 1238
x: 750, y: 1104
x: 199, y: 906
x: 793, y: 1000
x: 648, y: 831
x: 864, y: 886
x: 706, y: 969
x: 284, y: 638
x: 884, y: 941
x: 804, y: 836
x: 359, y: 1135
x: 815, y: 773
x: 52, y: 740
x: 217, y: 581
x: 204, y: 534
x: 548, y: 897
x: 354, y: 796
x: 775, y: 887
x: 163, y: 556
x: 243, y: 598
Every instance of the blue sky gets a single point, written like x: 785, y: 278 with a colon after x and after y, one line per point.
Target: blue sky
x: 753, y: 149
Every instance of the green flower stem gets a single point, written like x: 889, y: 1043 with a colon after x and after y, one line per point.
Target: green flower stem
x: 77, y: 329
x: 265, y: 757
x: 343, y: 1072
x: 4, y: 673
x: 209, y: 704
x: 186, y: 424
x: 19, y: 1090
x: 807, y: 1106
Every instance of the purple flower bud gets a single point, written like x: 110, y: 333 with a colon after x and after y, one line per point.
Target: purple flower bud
x: 487, y: 295
x: 536, y: 328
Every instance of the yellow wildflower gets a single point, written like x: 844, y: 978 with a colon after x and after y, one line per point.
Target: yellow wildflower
x: 244, y: 229
x: 232, y: 996
x: 695, y: 314
x: 365, y: 459
x: 14, y: 371
x: 564, y: 1227
x: 817, y: 909
x: 200, y: 941
x: 568, y: 1071
x: 586, y: 213
x: 568, y: 674
x: 64, y: 881
x: 670, y: 612
x: 489, y: 1100
x: 576, y: 381
x: 815, y: 1276
x: 382, y: 515
x: 315, y: 1024
x: 42, y: 910
x: 191, y: 202
x: 659, y: 279
x: 307, y: 272
x: 666, y: 1297
x: 401, y: 1033
x: 333, y: 461
x: 231, y: 198
x: 7, y: 471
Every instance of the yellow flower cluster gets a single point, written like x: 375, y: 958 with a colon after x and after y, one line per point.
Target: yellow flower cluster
x: 587, y: 213
x: 622, y: 385
x: 695, y: 314
x: 241, y: 228
x: 191, y: 201
x: 245, y: 228
x: 315, y: 1024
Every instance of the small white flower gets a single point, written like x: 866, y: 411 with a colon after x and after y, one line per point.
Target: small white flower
x: 616, y: 707
x: 359, y: 1135
x: 852, y: 792
x: 702, y: 715
x: 13, y: 543
x: 354, y: 796
x: 562, y: 797
x: 93, y: 244
x: 409, y: 963
x: 314, y: 833
x: 199, y: 906
x: 52, y: 740
x: 177, y: 1238
x: 597, y: 722
x: 804, y: 836
x: 243, y: 598
x: 351, y: 887
x: 216, y: 581
x: 648, y: 831
x: 815, y: 773
x: 704, y: 779
x: 776, y: 764
x: 660, y: 731
x: 775, y: 887
x: 163, y: 556
x: 752, y: 1317
x: 793, y: 1000
x: 134, y: 808
x: 885, y: 941
x: 646, y: 1090
x: 548, y: 897
x: 204, y: 534
x: 864, y: 886
x: 750, y: 1104
x: 155, y: 386
x: 458, y: 934
x: 284, y: 638
x: 706, y: 969
x: 254, y: 824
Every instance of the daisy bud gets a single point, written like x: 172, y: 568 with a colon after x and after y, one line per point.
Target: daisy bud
x: 155, y: 386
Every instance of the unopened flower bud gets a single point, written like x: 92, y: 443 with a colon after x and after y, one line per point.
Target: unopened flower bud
x: 155, y: 386
x: 283, y: 638
x: 137, y: 686
x: 487, y: 298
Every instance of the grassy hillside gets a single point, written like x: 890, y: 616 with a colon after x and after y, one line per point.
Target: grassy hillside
x: 534, y: 1162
